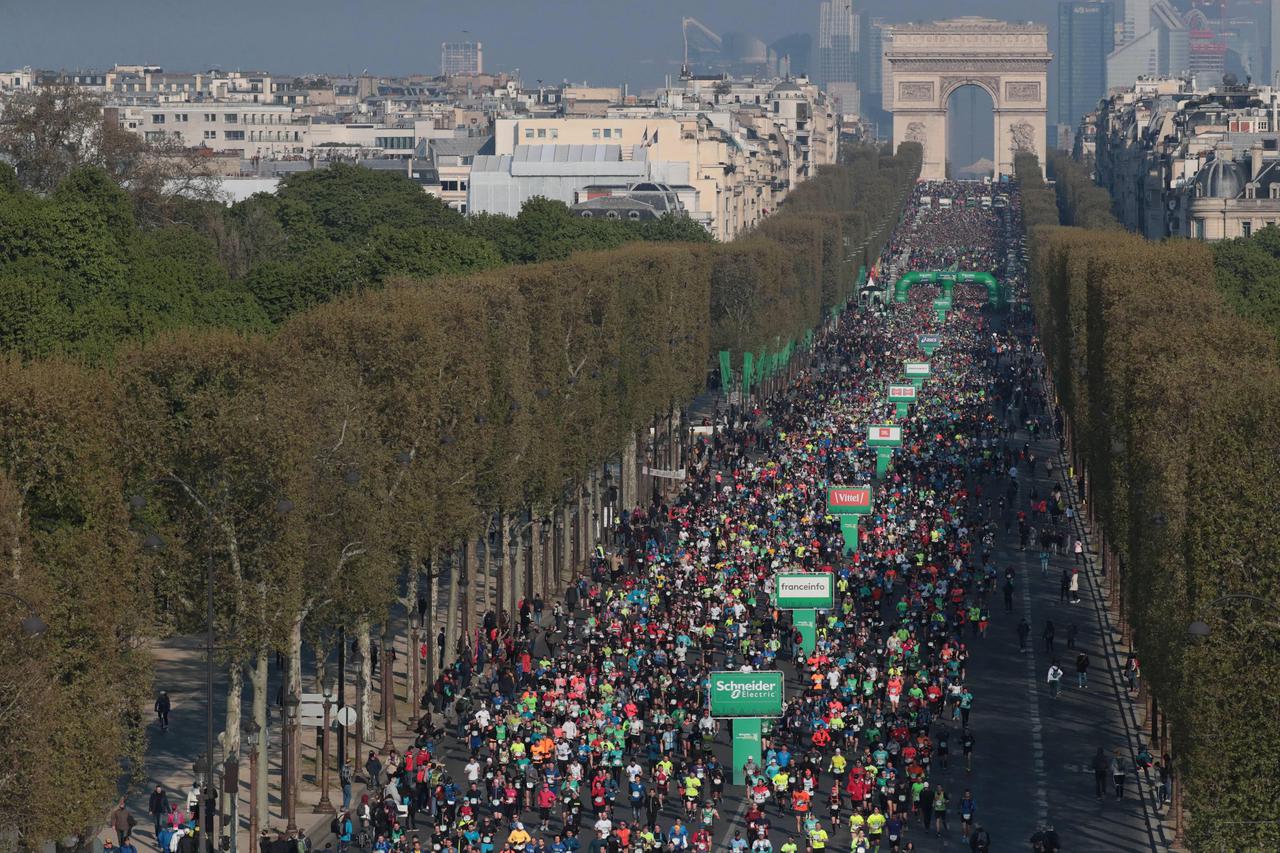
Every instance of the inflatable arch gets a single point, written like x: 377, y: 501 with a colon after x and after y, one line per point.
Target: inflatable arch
x: 949, y: 279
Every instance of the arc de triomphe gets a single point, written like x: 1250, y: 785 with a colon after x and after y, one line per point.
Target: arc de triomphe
x: 926, y: 63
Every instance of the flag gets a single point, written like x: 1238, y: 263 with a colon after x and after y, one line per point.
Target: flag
x: 748, y: 372
x: 726, y: 371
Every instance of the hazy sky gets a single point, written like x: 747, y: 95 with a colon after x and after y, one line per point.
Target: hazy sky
x: 604, y: 41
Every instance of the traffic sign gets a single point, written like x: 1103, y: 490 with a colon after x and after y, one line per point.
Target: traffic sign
x: 746, y: 694
x: 849, y: 500
x: 346, y: 716
x: 799, y: 590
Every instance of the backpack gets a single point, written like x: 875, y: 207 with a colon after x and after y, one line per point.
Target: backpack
x: 982, y: 840
x: 335, y: 827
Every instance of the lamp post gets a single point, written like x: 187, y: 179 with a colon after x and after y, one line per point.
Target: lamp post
x: 32, y: 624
x: 289, y: 760
x: 250, y: 730
x: 1202, y: 629
x: 325, y: 806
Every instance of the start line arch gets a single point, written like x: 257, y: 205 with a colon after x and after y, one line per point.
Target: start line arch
x: 949, y: 279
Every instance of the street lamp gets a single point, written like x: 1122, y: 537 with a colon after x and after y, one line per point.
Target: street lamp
x: 250, y: 731
x: 325, y: 806
x: 32, y: 624
x: 290, y: 762
x: 1202, y: 629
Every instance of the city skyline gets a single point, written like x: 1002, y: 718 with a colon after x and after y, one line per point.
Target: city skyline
x: 552, y: 42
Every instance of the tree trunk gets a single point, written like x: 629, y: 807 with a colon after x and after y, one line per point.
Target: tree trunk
x: 517, y: 577
x: 235, y: 691
x: 504, y: 532
x: 627, y: 496
x: 364, y: 675
x: 293, y: 682
x: 471, y: 572
x: 566, y: 565
x: 413, y: 585
x: 319, y: 679
x: 260, y: 704
x: 452, y: 613
x: 433, y: 579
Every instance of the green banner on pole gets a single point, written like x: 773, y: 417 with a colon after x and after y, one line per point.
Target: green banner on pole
x: 849, y: 500
x: 801, y: 590
x: 884, y: 435
x: 849, y: 529
x: 746, y: 747
x: 901, y: 410
x: 806, y: 622
x: 726, y: 371
x: 748, y: 374
x: 884, y: 455
x: 746, y: 694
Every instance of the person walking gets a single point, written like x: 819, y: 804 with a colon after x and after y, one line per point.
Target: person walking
x: 1008, y: 594
x: 1082, y: 671
x: 980, y: 841
x: 163, y: 706
x: 122, y: 823
x: 1073, y: 631
x: 1064, y: 585
x: 1117, y: 774
x: 1024, y: 632
x: 1073, y: 587
x: 1078, y: 548
x: 1047, y: 634
x: 1101, y: 766
x: 1054, y: 676
x: 158, y: 807
x: 967, y: 811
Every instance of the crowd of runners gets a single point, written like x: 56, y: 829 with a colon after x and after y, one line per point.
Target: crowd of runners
x: 586, y: 726
x: 966, y: 233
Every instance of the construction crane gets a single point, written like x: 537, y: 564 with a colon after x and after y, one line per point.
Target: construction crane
x: 705, y: 30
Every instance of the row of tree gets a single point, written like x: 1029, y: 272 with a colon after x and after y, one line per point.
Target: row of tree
x: 1173, y: 405
x: 362, y: 454
x: 1081, y: 202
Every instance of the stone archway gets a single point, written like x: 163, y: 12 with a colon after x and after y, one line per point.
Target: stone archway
x: 928, y: 62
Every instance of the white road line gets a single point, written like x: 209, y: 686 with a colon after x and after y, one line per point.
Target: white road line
x: 1033, y: 705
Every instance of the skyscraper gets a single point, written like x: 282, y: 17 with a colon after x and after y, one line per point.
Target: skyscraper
x: 1086, y: 35
x: 461, y: 57
x: 838, y: 51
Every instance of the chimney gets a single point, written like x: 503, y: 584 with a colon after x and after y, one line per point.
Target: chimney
x: 1255, y: 161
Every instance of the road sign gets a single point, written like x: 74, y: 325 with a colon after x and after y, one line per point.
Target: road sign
x: 902, y: 393
x: 797, y: 590
x: 746, y: 694
x: 849, y: 500
x: 346, y: 716
x: 884, y: 435
x: 916, y: 368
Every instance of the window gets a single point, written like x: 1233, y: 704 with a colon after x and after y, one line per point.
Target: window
x: 211, y: 134
x: 180, y: 117
x: 542, y: 133
x: 613, y: 214
x: 608, y: 134
x: 1247, y: 226
x: 595, y: 133
x: 555, y: 134
x: 633, y: 214
x: 233, y: 134
x: 232, y: 118
x: 1198, y: 232
x: 528, y: 133
x: 617, y: 133
x: 157, y: 118
x: 586, y: 214
x: 211, y: 117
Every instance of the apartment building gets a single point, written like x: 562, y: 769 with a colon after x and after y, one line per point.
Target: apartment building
x: 1181, y: 161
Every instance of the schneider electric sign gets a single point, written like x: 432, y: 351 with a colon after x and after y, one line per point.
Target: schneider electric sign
x: 799, y: 590
x: 746, y: 694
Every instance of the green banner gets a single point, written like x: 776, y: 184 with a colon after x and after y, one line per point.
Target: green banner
x: 849, y: 529
x: 806, y: 622
x: 748, y: 373
x: 797, y: 590
x: 849, y: 500
x: 746, y: 694
x: 726, y: 371
x: 746, y: 747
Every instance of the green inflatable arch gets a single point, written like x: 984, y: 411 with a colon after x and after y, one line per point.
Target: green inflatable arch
x: 949, y: 279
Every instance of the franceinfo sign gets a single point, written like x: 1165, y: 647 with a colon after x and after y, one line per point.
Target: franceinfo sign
x: 803, y: 590
x: 746, y: 694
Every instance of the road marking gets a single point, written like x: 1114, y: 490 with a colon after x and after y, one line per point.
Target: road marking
x: 1033, y: 705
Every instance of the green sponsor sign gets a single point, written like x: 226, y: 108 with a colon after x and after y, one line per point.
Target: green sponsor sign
x: 746, y: 694
x: 902, y: 393
x: 942, y: 304
x: 916, y: 368
x: 930, y: 341
x: 797, y: 590
x: 884, y: 435
x: 849, y: 500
